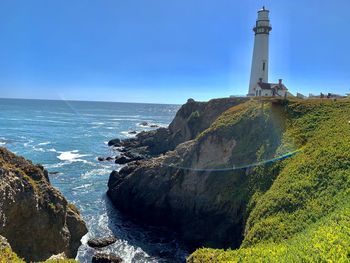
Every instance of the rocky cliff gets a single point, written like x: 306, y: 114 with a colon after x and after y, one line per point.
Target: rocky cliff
x: 180, y: 188
x: 191, y: 119
x: 35, y: 218
x: 234, y: 182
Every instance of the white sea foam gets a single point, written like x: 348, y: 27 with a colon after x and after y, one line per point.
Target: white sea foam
x: 97, y: 123
x: 127, y: 134
x: 26, y: 144
x: 125, y: 119
x: 149, y: 124
x: 84, y: 186
x: 52, y: 150
x: 44, y: 143
x: 71, y: 156
x: 74, y: 156
x: 55, y: 165
x: 3, y: 141
x: 38, y: 149
x: 93, y: 172
x: 85, y: 239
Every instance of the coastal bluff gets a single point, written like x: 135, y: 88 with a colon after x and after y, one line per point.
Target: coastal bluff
x: 261, y: 178
x: 36, y: 221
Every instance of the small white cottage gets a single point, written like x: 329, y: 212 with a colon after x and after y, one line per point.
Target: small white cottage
x: 270, y: 89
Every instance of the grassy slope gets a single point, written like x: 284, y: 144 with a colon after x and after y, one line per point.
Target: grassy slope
x: 305, y: 214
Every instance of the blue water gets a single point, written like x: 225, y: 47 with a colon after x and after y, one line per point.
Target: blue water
x: 67, y: 137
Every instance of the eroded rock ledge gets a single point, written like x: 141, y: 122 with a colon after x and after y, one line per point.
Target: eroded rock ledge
x: 35, y: 218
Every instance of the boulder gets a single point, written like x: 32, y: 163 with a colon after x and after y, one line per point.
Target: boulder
x: 106, y: 258
x: 101, y: 241
x: 114, y: 142
x: 134, y: 156
x: 100, y: 159
x: 144, y: 123
x: 132, y: 132
x: 53, y: 173
x: 122, y: 160
x: 109, y: 158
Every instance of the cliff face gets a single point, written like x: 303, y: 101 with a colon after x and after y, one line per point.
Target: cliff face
x: 35, y: 218
x: 279, y: 209
x: 180, y: 189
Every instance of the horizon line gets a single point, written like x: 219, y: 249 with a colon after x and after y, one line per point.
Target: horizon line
x: 102, y: 101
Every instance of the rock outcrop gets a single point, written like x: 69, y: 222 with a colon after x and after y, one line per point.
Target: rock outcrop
x: 35, y: 218
x: 193, y: 188
x: 106, y: 258
x: 99, y: 242
x: 191, y: 119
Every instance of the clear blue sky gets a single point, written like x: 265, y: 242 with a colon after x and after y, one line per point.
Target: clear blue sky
x: 167, y: 51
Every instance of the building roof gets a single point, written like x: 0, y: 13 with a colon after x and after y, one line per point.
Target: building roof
x: 269, y: 86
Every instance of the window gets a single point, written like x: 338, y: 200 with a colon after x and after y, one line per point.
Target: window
x: 263, y: 66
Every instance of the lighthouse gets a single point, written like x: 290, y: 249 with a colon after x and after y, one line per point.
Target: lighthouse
x: 260, y: 62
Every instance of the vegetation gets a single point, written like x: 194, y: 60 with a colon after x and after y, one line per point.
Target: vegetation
x: 326, y: 241
x: 297, y: 208
x: 7, y: 255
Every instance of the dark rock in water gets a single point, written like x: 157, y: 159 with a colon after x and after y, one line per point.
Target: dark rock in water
x: 154, y: 126
x: 114, y: 178
x: 100, y: 159
x: 144, y: 123
x: 122, y: 160
x: 114, y: 142
x: 101, y: 242
x: 132, y: 132
x: 106, y: 258
x: 109, y: 158
x: 53, y: 173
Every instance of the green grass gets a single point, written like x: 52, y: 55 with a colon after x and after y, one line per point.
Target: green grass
x: 326, y: 241
x: 297, y: 209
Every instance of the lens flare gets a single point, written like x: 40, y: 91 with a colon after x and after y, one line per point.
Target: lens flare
x: 278, y: 158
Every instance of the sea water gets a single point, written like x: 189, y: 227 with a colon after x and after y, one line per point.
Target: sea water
x: 66, y: 137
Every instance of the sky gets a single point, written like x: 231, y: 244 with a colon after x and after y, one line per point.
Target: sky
x: 161, y: 51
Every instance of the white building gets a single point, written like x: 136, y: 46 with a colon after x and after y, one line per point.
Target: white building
x: 270, y: 89
x: 259, y: 85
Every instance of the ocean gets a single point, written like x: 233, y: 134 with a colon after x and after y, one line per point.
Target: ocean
x: 66, y: 137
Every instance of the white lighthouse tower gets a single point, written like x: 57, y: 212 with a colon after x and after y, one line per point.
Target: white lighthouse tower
x: 260, y: 63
